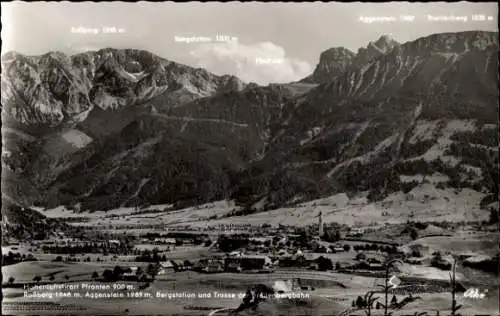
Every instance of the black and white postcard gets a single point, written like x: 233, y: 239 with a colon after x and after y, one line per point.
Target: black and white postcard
x: 250, y: 158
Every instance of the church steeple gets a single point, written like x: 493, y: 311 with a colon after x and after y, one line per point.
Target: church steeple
x: 321, y: 229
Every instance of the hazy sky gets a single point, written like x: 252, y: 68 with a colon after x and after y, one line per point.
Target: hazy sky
x: 292, y: 34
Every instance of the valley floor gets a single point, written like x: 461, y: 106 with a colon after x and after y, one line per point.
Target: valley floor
x: 333, y: 291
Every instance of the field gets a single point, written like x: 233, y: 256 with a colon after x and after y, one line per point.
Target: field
x: 25, y: 271
x: 478, y: 244
x: 424, y: 201
x: 333, y: 293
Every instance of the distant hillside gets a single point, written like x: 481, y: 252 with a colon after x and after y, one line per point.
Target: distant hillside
x: 112, y: 128
x: 425, y: 107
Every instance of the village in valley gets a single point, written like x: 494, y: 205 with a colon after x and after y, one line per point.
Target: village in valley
x: 250, y: 159
x: 327, y: 263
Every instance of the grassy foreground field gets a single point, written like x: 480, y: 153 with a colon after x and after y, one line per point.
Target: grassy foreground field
x: 333, y: 293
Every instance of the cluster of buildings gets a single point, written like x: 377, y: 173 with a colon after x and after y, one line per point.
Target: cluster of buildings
x: 163, y: 241
x: 235, y: 262
x: 75, y: 242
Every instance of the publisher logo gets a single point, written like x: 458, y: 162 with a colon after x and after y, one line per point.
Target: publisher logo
x: 475, y: 294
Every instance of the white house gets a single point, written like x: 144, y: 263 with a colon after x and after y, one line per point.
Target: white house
x: 170, y: 241
x: 236, y: 254
x: 133, y: 272
x: 114, y: 242
x: 338, y: 248
x: 166, y: 267
x: 166, y: 241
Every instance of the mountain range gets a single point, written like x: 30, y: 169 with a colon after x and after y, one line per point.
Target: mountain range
x: 113, y: 128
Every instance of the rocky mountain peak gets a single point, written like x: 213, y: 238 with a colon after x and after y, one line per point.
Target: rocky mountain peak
x: 385, y: 43
x: 332, y: 62
x: 55, y: 88
x: 335, y: 52
x: 336, y: 60
x: 375, y: 49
